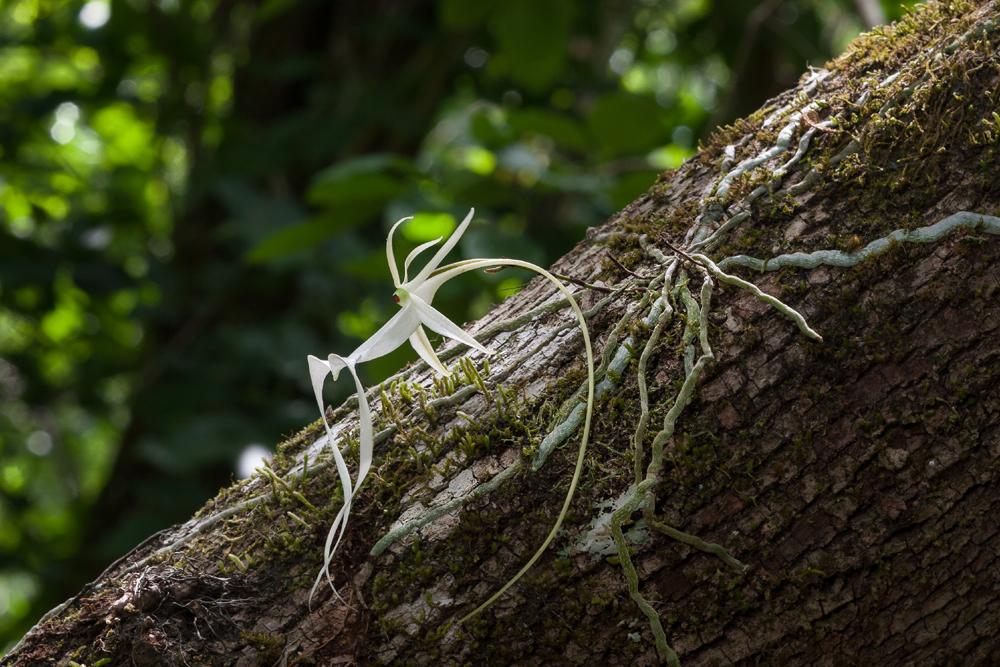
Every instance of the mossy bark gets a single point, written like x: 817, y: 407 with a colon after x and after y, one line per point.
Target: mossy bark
x: 856, y: 477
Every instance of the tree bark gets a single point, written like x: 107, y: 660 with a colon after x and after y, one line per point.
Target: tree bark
x: 856, y: 478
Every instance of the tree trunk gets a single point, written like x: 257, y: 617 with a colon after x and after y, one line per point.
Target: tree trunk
x: 856, y: 478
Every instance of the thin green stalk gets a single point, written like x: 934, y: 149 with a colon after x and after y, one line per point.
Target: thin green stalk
x: 581, y: 452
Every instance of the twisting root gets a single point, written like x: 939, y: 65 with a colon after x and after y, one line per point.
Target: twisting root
x: 654, y: 338
x: 643, y: 487
x: 777, y: 303
x: 649, y: 509
x: 659, y: 636
x: 699, y: 236
x: 810, y: 260
x: 694, y: 541
x: 643, y: 491
x: 686, y: 391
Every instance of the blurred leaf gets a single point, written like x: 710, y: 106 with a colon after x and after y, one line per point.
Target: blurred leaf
x: 127, y: 139
x: 479, y: 160
x: 254, y: 216
x: 669, y: 157
x: 270, y: 9
x: 568, y: 181
x: 362, y: 322
x: 369, y: 266
x: 629, y: 186
x: 369, y: 180
x: 463, y: 14
x: 489, y: 126
x: 623, y: 123
x: 296, y: 238
x: 533, y: 38
x: 500, y: 241
x: 428, y: 226
x: 563, y: 129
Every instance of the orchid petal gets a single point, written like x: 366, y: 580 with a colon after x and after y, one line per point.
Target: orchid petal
x: 415, y: 253
x: 366, y: 455
x: 390, y: 335
x: 345, y: 483
x: 428, y: 288
x: 424, y: 348
x: 444, y: 250
x: 390, y: 256
x: 366, y: 429
x: 318, y: 370
x: 437, y: 322
x: 324, y: 572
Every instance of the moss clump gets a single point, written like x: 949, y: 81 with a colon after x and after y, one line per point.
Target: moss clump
x: 269, y: 646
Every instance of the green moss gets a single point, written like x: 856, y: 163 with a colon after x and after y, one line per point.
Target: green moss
x: 269, y: 646
x: 917, y: 137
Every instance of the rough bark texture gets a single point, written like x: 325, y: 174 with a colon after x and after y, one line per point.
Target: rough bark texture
x: 857, y: 477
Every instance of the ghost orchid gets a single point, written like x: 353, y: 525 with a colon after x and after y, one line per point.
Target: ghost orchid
x: 414, y: 297
x: 417, y: 294
x: 407, y: 324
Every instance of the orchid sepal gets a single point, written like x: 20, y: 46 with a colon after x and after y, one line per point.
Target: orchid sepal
x: 390, y: 256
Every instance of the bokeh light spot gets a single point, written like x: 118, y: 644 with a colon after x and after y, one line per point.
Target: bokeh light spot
x: 95, y: 14
x: 252, y: 457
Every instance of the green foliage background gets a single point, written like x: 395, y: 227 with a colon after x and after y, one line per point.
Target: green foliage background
x: 194, y: 195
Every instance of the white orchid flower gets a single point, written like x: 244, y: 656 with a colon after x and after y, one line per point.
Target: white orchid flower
x: 415, y: 310
x: 414, y: 297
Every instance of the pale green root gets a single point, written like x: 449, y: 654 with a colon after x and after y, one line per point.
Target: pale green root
x: 778, y: 304
x: 810, y: 260
x: 654, y: 338
x: 659, y: 636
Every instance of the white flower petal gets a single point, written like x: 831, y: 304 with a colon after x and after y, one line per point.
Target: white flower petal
x: 366, y: 455
x: 390, y: 256
x: 367, y: 436
x: 444, y: 250
x: 414, y: 254
x: 428, y: 288
x: 324, y: 572
x: 424, y: 348
x: 390, y: 335
x: 437, y: 322
x: 318, y: 370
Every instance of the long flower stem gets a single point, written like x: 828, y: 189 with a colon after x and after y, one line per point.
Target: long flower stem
x: 581, y: 452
